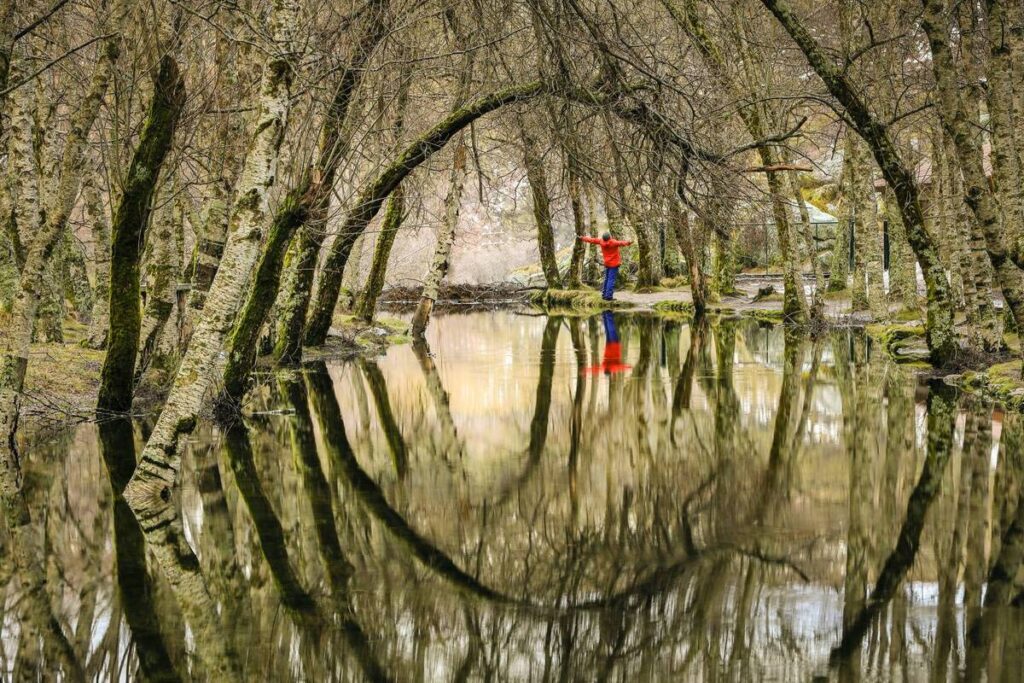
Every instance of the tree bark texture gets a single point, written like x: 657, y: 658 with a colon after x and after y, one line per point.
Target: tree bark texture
x: 149, y: 491
x: 96, y: 218
x: 128, y: 235
x: 939, y: 324
x: 14, y: 356
x: 977, y: 193
x: 335, y: 140
x: 537, y: 178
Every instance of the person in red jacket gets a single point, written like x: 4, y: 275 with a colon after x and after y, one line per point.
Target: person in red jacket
x: 612, y: 260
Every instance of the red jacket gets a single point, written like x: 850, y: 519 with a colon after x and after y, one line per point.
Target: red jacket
x: 609, y: 250
x: 612, y: 362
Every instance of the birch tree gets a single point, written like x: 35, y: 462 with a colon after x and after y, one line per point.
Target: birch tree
x: 148, y: 492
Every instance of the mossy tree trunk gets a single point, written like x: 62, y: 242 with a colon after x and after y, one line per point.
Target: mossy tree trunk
x: 374, y: 193
x: 394, y: 214
x: 939, y: 325
x: 453, y: 200
x: 333, y: 148
x: 75, y: 278
x: 162, y: 270
x: 754, y: 119
x: 304, y: 208
x: 226, y: 141
x: 689, y: 244
x: 537, y: 178
x: 965, y: 136
x: 128, y: 235
x: 574, y: 276
x: 817, y: 309
x: 18, y: 335
x: 149, y: 491
x: 7, y: 28
x: 1001, y: 19
x: 902, y: 266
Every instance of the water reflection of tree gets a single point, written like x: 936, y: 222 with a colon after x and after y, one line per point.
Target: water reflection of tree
x: 665, y: 563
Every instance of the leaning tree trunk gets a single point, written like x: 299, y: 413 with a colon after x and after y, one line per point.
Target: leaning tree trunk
x: 96, y: 218
x: 445, y: 239
x: 452, y: 204
x: 394, y: 214
x: 117, y: 377
x: 393, y: 217
x: 227, y: 145
x: 939, y: 325
x: 14, y: 355
x: 374, y: 194
x: 335, y: 140
x: 977, y: 193
x: 149, y: 491
x: 537, y: 178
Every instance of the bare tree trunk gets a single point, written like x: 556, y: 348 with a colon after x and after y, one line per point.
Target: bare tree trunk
x: 14, y: 357
x: 149, y: 491
x: 445, y: 239
x: 129, y: 227
x: 96, y: 217
x: 939, y: 325
x: 817, y: 308
x: 866, y: 292
x: 335, y: 139
x: 161, y: 289
x: 537, y: 178
x: 394, y: 214
x: 574, y: 276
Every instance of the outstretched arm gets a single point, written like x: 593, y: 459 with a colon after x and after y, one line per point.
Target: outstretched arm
x: 620, y: 243
x: 590, y: 240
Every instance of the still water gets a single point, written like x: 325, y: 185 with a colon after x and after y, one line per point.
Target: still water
x: 533, y: 498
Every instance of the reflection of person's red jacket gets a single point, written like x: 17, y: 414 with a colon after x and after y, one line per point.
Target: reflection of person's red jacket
x: 612, y: 361
x: 609, y: 250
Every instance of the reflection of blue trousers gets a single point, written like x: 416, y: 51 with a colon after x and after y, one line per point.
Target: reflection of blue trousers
x: 611, y: 335
x: 609, y: 283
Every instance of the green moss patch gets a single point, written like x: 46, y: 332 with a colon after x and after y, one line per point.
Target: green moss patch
x: 904, y: 343
x: 1001, y: 382
x: 568, y: 300
x: 674, y: 308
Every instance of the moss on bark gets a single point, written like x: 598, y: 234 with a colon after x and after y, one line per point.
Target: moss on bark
x: 128, y: 232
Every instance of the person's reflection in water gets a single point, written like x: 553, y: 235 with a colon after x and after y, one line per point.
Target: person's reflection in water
x: 611, y: 363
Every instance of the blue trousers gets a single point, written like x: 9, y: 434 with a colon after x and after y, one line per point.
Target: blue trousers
x: 609, y: 283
